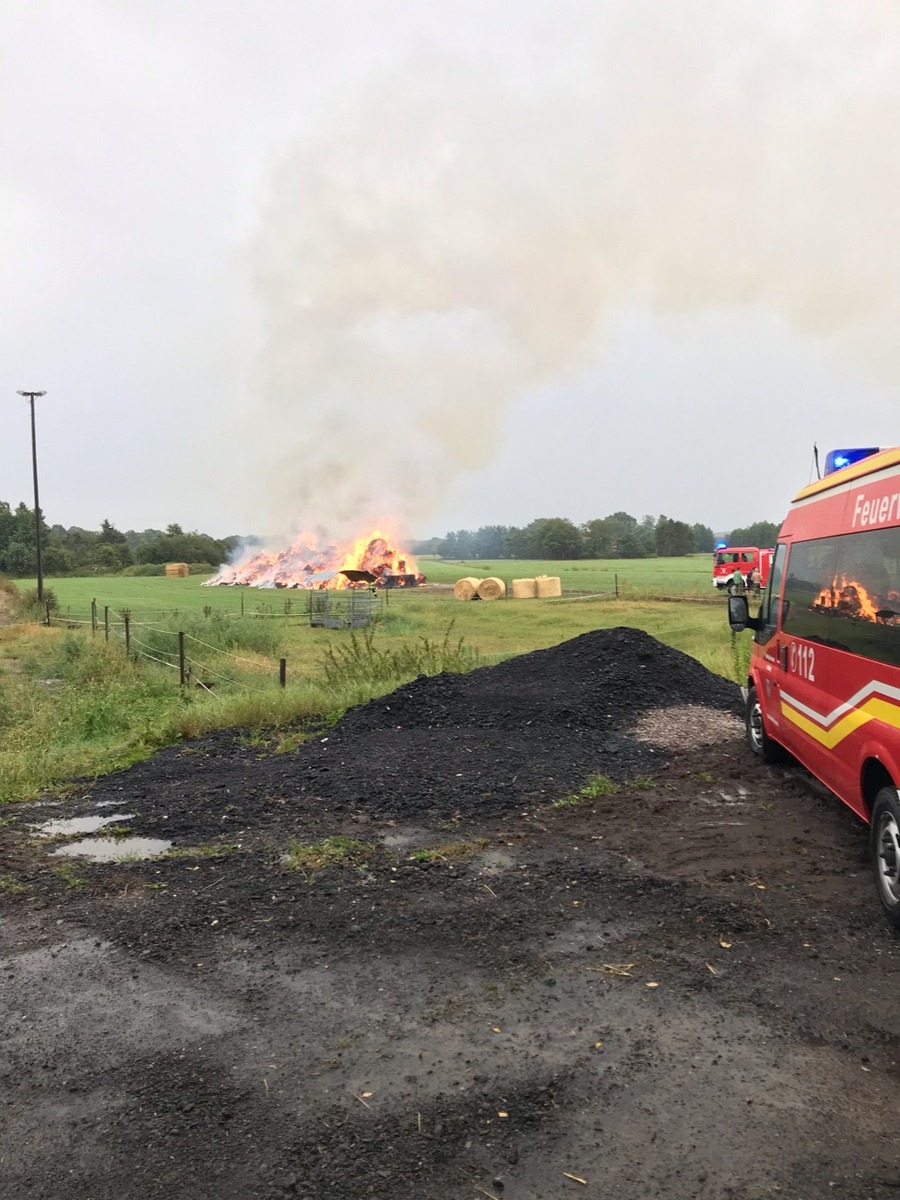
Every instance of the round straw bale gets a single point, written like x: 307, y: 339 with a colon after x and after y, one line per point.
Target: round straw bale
x: 548, y: 585
x: 491, y: 588
x: 524, y: 589
x: 466, y: 589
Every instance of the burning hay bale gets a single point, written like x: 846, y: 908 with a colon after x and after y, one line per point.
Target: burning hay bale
x: 466, y: 588
x: 524, y: 589
x: 548, y: 585
x: 369, y: 561
x: 491, y: 588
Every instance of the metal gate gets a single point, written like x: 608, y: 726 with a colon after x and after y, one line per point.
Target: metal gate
x: 350, y: 608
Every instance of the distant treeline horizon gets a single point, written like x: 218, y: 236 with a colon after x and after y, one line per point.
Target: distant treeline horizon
x: 619, y: 535
x: 72, y: 550
x: 68, y: 551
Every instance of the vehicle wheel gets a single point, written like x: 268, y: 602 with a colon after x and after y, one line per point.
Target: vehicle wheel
x: 886, y: 851
x: 757, y: 738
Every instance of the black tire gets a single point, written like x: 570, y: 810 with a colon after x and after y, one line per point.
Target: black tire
x: 885, y: 846
x: 757, y: 739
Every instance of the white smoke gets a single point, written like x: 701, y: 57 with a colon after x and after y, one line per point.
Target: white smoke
x: 460, y: 234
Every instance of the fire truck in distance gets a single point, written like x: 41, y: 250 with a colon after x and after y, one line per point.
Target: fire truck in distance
x: 728, y: 559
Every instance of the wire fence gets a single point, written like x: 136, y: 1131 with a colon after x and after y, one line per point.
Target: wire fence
x: 344, y: 609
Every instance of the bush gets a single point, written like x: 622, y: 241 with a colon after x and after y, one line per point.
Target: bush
x: 144, y: 569
x: 32, y: 609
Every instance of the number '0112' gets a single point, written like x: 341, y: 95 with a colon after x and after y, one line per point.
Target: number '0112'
x: 803, y: 661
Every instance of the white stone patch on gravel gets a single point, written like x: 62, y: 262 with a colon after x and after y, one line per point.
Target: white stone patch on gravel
x: 687, y: 726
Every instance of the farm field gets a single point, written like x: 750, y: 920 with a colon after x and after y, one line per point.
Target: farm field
x: 651, y: 576
x: 497, y: 630
x: 657, y: 576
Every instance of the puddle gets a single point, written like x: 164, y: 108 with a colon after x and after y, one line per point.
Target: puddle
x: 727, y: 800
x: 113, y: 849
x: 495, y: 862
x: 80, y: 825
x: 399, y: 839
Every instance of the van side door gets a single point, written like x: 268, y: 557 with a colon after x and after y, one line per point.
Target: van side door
x: 814, y: 683
x: 769, y: 658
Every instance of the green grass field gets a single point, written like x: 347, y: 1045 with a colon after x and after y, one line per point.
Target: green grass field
x: 640, y: 577
x: 689, y: 576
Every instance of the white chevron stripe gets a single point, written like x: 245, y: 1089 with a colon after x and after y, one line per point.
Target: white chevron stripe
x: 873, y: 688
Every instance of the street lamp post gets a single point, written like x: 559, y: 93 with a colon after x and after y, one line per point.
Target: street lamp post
x: 30, y: 397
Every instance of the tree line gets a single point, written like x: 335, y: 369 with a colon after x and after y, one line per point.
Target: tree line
x: 106, y: 550
x: 619, y: 535
x: 73, y: 550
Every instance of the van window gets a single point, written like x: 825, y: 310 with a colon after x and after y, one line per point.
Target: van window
x: 810, y: 570
x: 845, y: 591
x: 748, y: 556
x: 722, y: 559
x: 772, y: 598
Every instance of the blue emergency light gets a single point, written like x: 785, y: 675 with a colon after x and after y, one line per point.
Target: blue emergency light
x: 721, y: 545
x: 838, y: 459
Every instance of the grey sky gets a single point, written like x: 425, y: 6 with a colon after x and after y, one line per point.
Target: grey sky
x: 287, y: 264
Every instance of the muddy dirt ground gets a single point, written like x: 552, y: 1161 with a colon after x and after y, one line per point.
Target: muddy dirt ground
x: 684, y: 989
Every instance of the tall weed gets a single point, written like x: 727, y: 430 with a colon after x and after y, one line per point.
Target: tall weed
x: 362, y: 662
x: 741, y: 648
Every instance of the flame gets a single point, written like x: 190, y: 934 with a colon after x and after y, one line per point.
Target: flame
x: 305, y: 564
x: 849, y: 598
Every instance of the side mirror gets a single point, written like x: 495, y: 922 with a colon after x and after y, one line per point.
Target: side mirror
x: 739, y: 615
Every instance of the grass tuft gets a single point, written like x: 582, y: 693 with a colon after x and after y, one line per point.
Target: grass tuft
x: 329, y: 852
x: 204, y: 850
x: 594, y: 786
x: 69, y: 876
x: 10, y: 886
x: 450, y: 851
x: 644, y: 782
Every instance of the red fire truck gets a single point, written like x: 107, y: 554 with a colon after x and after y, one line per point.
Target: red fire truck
x: 729, y: 559
x: 824, y: 677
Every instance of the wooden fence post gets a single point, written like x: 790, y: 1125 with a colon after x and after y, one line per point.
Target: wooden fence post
x: 282, y: 671
x: 106, y: 621
x: 127, y: 634
x: 94, y: 616
x: 181, y: 659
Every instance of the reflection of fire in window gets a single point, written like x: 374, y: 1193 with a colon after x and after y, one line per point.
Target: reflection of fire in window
x: 849, y: 598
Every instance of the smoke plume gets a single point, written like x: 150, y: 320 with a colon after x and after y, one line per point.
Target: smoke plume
x: 462, y: 231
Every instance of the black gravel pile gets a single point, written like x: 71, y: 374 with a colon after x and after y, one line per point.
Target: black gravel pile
x: 604, y: 678
x: 525, y: 731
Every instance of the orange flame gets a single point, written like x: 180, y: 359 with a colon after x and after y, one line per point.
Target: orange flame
x: 305, y: 564
x: 849, y: 598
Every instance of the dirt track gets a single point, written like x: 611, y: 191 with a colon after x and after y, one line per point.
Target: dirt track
x: 685, y: 989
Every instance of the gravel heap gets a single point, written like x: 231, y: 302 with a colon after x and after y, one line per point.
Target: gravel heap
x: 525, y: 731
